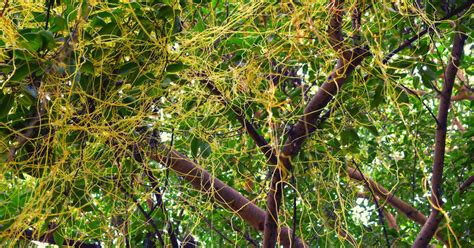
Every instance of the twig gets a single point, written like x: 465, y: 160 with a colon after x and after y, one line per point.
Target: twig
x: 379, y: 210
x: 5, y: 6
x: 408, y: 42
x: 466, y: 184
x: 149, y: 219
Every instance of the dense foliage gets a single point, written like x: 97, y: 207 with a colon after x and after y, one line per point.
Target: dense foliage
x: 98, y: 97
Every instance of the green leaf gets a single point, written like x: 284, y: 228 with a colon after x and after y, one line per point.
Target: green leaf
x: 378, y: 96
x: 156, y: 91
x: 349, y: 136
x: 166, y: 82
x: 200, y: 26
x: 58, y: 24
x: 128, y: 67
x: 145, y: 78
x: 416, y: 82
x: 428, y: 75
x: 457, y: 198
x: 87, y: 67
x: 111, y: 29
x: 23, y: 71
x: 172, y: 68
x: 205, y: 149
x: 200, y: 147
x: 403, y: 97
x: 6, y: 103
x: 28, y: 97
x: 47, y: 39
x: 165, y: 12
x: 195, y: 144
x: 372, y: 129
x: 31, y: 41
x: 58, y: 238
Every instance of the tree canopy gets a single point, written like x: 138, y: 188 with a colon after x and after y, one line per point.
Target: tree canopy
x: 164, y: 123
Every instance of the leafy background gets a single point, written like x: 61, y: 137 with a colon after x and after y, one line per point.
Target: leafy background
x: 82, y: 82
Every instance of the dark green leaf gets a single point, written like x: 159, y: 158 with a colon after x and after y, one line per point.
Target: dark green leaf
x: 58, y: 238
x: 128, y: 67
x: 58, y: 24
x: 22, y: 72
x: 171, y: 68
x: 6, y: 103
x: 195, y: 144
x: 165, y: 12
x: 349, y: 136
x: 31, y: 41
x: 47, y: 39
x: 87, y: 67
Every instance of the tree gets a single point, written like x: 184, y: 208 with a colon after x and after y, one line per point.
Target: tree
x: 236, y: 123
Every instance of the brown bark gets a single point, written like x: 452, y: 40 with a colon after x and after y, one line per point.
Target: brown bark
x: 464, y: 93
x: 386, y: 196
x: 391, y: 220
x: 459, y: 125
x: 220, y: 192
x: 431, y: 225
x: 466, y: 184
x: 347, y: 62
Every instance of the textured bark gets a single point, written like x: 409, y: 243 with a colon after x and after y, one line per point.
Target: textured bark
x: 386, y: 196
x: 347, y: 62
x: 299, y: 133
x: 431, y: 225
x: 220, y: 192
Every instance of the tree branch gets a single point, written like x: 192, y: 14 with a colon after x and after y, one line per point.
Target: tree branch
x: 408, y: 42
x: 400, y: 205
x: 220, y: 192
x: 378, y: 207
x: 347, y: 62
x: 148, y: 218
x: 266, y: 148
x: 466, y: 184
x: 431, y: 225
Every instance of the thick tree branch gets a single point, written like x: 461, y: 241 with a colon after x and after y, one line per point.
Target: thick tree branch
x: 386, y: 196
x: 334, y: 31
x: 431, y: 225
x: 307, y: 124
x: 270, y: 229
x: 391, y: 220
x: 219, y: 191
